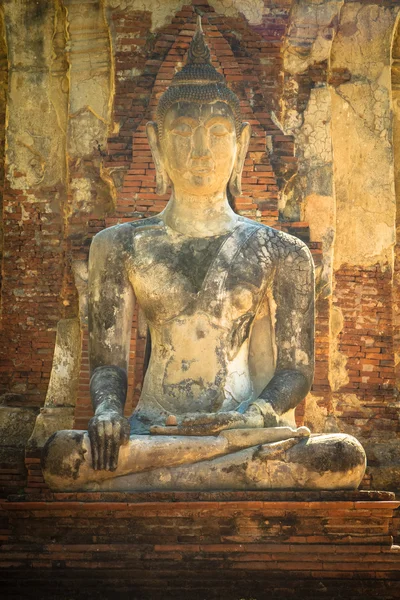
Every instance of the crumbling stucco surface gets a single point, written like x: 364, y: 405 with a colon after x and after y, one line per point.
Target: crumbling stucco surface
x: 35, y: 150
x: 396, y: 146
x: 309, y: 196
x: 63, y: 381
x: 362, y: 136
x: 90, y: 104
x: 252, y: 10
x: 58, y: 411
x: 312, y: 28
x: 162, y: 11
x: 338, y: 376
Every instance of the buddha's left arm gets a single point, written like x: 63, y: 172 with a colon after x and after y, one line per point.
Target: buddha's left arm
x: 294, y: 330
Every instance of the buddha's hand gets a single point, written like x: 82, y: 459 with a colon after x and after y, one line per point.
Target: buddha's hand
x: 211, y: 423
x: 107, y: 431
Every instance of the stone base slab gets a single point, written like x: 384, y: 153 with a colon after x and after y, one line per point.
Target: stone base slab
x: 201, y: 545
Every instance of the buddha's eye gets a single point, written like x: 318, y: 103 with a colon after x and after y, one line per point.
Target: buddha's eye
x: 183, y: 129
x: 219, y: 130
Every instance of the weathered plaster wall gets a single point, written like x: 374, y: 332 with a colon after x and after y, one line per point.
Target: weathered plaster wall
x: 362, y: 136
x: 363, y: 149
x: 316, y: 81
x: 340, y: 52
x: 35, y: 198
x: 396, y: 148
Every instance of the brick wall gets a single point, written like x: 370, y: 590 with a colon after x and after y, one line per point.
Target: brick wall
x: 302, y: 545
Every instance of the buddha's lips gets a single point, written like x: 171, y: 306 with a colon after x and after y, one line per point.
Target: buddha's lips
x: 201, y: 169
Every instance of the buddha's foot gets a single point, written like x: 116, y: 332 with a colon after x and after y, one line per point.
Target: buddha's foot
x: 328, y: 462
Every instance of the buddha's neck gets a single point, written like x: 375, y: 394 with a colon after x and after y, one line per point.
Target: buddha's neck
x: 199, y: 216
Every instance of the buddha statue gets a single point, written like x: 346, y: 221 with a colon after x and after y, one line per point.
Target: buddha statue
x: 229, y: 304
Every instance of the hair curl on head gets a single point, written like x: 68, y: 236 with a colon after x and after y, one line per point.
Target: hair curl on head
x: 199, y: 82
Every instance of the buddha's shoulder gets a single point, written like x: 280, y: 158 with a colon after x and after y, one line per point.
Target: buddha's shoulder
x: 278, y: 242
x: 124, y: 232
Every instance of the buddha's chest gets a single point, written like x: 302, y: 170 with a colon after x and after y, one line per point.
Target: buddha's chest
x: 223, y: 276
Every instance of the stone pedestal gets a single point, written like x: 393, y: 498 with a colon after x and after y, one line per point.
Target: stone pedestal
x: 201, y: 545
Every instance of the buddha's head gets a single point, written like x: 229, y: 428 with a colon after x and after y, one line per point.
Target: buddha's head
x: 199, y: 142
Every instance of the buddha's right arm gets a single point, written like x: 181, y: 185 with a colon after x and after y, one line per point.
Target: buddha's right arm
x: 111, y: 302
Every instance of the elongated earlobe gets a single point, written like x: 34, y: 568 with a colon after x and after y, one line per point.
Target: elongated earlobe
x: 235, y: 182
x: 162, y: 179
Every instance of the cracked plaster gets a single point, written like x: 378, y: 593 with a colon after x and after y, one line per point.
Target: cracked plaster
x: 309, y: 41
x: 35, y: 150
x: 90, y: 102
x: 362, y: 136
x: 337, y: 374
x: 162, y: 11
x: 252, y: 10
x: 309, y: 195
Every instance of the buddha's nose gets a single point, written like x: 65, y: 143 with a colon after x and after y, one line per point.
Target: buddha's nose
x: 200, y: 144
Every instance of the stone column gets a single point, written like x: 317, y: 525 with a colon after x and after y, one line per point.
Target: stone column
x: 92, y: 193
x: 35, y: 201
x: 309, y: 196
x: 396, y: 146
x: 362, y: 136
x: 362, y: 365
x: 59, y: 408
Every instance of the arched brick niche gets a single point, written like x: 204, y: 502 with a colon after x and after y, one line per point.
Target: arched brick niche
x: 244, y: 55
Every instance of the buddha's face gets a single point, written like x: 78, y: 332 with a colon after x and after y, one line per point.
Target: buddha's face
x: 199, y: 147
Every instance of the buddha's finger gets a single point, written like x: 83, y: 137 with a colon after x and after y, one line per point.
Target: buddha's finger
x: 198, y: 430
x: 108, y: 440
x: 125, y: 431
x: 94, y: 447
x: 165, y: 430
x: 175, y: 430
x: 115, y: 441
x: 203, y: 419
x: 100, y: 442
x: 99, y: 436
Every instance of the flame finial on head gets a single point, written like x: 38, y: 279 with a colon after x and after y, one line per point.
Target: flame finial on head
x: 198, y: 68
x: 198, y: 82
x: 199, y: 52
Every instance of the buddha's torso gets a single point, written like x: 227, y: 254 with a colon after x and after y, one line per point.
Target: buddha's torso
x: 200, y: 297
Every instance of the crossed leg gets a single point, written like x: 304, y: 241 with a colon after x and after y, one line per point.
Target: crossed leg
x: 152, y: 462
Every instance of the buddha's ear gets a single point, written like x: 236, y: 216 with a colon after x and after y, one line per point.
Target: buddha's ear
x: 235, y: 182
x: 162, y: 179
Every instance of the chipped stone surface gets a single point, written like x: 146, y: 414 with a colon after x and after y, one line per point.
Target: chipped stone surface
x: 63, y: 381
x: 60, y: 400
x: 317, y: 462
x: 16, y: 425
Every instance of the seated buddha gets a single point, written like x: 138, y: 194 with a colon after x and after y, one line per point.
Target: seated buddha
x: 229, y: 304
